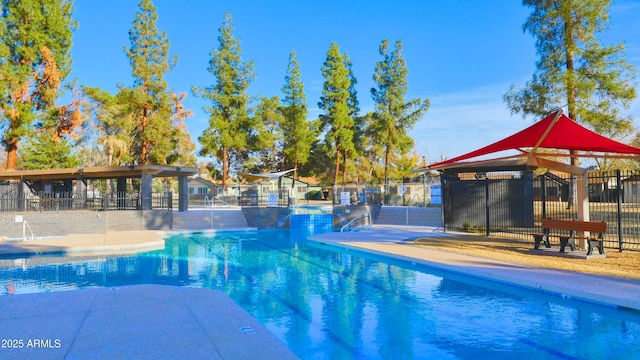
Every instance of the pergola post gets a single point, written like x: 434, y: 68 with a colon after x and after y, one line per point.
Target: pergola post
x: 583, y: 202
x: 145, y: 191
x: 183, y: 193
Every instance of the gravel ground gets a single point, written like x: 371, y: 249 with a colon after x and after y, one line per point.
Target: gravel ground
x: 624, y: 264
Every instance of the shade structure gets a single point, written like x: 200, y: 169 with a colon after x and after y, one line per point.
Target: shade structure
x: 555, y: 131
x: 265, y: 176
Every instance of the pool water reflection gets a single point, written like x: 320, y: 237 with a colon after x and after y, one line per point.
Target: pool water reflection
x: 330, y: 304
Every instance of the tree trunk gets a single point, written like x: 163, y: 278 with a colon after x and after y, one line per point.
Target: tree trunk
x: 337, y: 170
x: 344, y: 169
x: 295, y: 172
x: 387, y: 150
x: 12, y: 155
x: 282, y: 163
x: 225, y: 170
x: 571, y: 100
x: 143, y: 139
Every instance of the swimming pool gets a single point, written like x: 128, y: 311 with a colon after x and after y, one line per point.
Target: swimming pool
x: 330, y: 304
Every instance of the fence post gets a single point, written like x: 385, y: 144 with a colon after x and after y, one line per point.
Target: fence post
x: 486, y: 205
x: 543, y: 195
x: 619, y: 186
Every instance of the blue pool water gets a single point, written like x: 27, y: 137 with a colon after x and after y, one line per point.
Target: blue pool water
x: 326, y: 304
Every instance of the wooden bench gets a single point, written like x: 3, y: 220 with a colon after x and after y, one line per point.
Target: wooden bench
x: 573, y: 227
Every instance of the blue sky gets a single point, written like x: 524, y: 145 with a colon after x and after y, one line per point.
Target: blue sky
x: 461, y: 54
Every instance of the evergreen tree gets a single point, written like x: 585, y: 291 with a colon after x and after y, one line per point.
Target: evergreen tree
x: 111, y: 121
x: 270, y: 141
x: 35, y: 43
x: 298, y: 132
x: 334, y: 101
x: 182, y: 146
x: 393, y: 116
x: 151, y: 107
x: 229, y: 123
x: 574, y: 69
x: 358, y: 122
x: 42, y: 152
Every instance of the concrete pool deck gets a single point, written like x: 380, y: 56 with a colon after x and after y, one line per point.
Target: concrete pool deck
x: 391, y: 240
x: 133, y: 322
x: 110, y: 243
x: 113, y: 242
x: 153, y: 321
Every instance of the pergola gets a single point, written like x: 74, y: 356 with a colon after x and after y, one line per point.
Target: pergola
x: 145, y: 173
x: 538, y: 146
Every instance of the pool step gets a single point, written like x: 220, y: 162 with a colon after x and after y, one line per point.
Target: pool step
x: 398, y: 215
x: 209, y: 219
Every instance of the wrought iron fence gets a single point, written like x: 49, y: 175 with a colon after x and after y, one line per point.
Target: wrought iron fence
x: 398, y: 192
x: 513, y: 204
x: 252, y: 198
x: 14, y: 201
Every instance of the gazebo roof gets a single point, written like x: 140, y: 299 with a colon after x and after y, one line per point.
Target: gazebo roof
x: 265, y: 176
x: 556, y: 131
x: 104, y: 172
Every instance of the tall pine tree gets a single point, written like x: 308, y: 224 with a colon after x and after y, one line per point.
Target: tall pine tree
x: 229, y: 124
x: 334, y: 101
x: 298, y: 132
x: 393, y: 116
x: 575, y: 70
x: 150, y: 102
x: 35, y: 43
x: 269, y: 142
x: 358, y: 123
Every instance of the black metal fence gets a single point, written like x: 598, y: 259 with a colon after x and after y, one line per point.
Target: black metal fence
x: 513, y: 204
x: 14, y: 201
x: 252, y: 198
x: 353, y: 194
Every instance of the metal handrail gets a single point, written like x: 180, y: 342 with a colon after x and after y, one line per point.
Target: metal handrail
x: 411, y: 201
x: 26, y: 226
x: 207, y: 201
x: 283, y: 221
x: 365, y: 213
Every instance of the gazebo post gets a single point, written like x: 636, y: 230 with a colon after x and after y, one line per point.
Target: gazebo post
x: 145, y: 190
x: 583, y: 202
x: 183, y: 193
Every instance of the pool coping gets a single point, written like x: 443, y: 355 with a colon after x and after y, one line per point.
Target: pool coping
x: 110, y: 243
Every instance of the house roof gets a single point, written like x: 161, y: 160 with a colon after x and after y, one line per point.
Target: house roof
x: 310, y: 180
x: 203, y: 181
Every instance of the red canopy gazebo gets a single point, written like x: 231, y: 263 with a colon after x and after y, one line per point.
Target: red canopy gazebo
x: 554, y: 132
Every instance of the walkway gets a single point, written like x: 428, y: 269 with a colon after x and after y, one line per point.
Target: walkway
x: 390, y: 240
x: 133, y: 322
x: 113, y: 242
